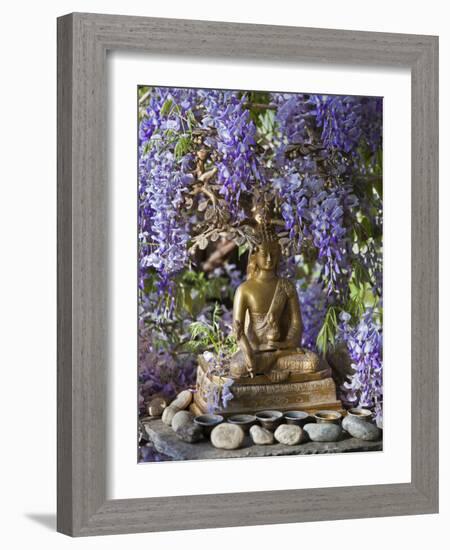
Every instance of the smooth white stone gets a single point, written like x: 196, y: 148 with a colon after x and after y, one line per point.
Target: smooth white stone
x: 361, y: 429
x: 288, y: 434
x: 261, y: 436
x: 168, y: 414
x: 227, y: 436
x: 182, y: 400
x: 181, y: 418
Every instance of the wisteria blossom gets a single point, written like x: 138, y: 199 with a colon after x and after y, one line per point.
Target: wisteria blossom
x: 365, y: 344
x: 314, y: 303
x: 163, y: 231
x: 164, y: 168
x: 233, y: 140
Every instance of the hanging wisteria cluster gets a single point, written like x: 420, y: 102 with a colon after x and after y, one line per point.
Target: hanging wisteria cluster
x: 313, y: 303
x: 364, y: 343
x: 203, y: 156
x: 175, y: 121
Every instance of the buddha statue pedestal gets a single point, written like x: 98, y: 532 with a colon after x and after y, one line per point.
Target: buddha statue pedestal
x: 306, y: 391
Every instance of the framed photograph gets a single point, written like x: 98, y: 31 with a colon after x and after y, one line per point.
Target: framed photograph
x: 247, y: 274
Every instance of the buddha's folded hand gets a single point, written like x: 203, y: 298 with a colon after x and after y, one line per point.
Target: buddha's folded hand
x: 280, y: 345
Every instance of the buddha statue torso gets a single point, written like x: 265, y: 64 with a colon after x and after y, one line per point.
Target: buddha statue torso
x: 268, y: 305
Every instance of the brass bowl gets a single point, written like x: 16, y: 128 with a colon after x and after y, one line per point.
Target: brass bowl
x: 245, y: 421
x: 298, y: 418
x: 270, y: 419
x: 363, y: 414
x: 331, y: 417
x: 208, y: 421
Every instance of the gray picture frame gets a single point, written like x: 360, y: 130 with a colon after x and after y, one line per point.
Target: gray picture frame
x: 83, y: 41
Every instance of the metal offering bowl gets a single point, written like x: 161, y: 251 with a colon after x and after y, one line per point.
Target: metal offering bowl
x: 270, y: 419
x: 245, y: 421
x: 333, y: 417
x: 299, y: 418
x: 208, y: 421
x: 363, y: 414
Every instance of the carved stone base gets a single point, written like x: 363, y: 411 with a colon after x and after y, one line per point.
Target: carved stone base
x: 309, y: 392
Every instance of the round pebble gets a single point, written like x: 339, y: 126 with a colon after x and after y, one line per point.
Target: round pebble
x: 168, y: 414
x: 157, y: 406
x: 227, y: 436
x: 288, y: 434
x: 261, y: 436
x: 181, y: 418
x: 361, y: 429
x: 182, y: 400
x: 323, y: 432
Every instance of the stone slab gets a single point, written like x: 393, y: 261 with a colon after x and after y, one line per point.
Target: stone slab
x: 166, y: 442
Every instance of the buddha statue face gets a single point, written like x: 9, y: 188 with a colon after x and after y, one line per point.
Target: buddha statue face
x: 265, y: 258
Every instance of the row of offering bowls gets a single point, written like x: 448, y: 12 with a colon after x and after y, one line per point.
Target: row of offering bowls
x: 272, y: 419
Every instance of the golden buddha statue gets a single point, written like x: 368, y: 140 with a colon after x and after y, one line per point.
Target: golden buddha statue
x: 270, y: 370
x: 267, y: 321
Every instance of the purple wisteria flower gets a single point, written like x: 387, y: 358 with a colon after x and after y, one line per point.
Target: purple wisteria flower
x: 234, y: 139
x: 163, y: 230
x: 364, y: 343
x: 349, y: 125
x: 314, y: 212
x: 313, y: 303
x: 226, y: 393
x: 321, y: 152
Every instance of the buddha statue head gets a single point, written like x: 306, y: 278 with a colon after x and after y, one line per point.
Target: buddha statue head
x: 266, y: 258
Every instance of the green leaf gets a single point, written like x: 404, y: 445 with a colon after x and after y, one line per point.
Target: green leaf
x: 182, y: 146
x: 365, y: 222
x: 187, y: 300
x: 266, y: 123
x: 147, y: 146
x: 214, y: 287
x: 242, y: 249
x: 191, y: 119
x: 328, y: 331
x: 166, y: 108
x: 378, y: 186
